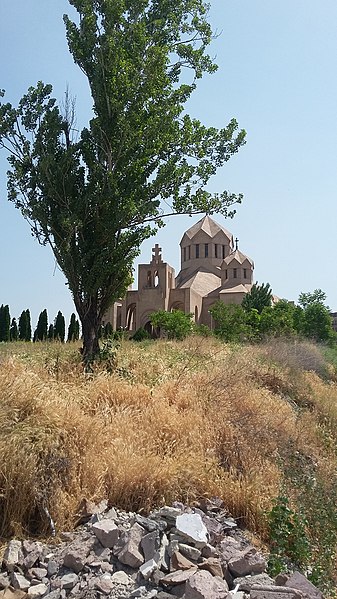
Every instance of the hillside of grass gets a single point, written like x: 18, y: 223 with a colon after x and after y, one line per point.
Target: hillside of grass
x: 169, y: 421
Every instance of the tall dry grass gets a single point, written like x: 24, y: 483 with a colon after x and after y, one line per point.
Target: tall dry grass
x: 175, y: 421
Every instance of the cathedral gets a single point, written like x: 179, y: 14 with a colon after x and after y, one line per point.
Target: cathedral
x: 212, y: 269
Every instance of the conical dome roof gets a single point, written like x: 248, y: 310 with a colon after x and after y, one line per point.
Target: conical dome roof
x: 238, y: 257
x: 208, y: 226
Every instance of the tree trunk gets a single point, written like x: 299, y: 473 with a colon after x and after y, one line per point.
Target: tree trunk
x: 90, y: 332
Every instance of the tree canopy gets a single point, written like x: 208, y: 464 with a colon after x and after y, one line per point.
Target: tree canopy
x: 259, y: 297
x: 96, y: 195
x: 317, y: 296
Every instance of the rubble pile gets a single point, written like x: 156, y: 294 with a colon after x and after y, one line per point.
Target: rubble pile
x: 175, y: 552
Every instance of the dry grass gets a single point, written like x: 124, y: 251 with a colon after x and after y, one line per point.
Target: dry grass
x: 175, y: 421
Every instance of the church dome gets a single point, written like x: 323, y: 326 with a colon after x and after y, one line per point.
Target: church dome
x: 239, y: 257
x: 209, y: 226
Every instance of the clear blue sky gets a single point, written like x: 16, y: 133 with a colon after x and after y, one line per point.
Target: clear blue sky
x: 277, y: 76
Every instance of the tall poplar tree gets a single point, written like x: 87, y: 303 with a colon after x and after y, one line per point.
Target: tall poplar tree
x: 94, y: 197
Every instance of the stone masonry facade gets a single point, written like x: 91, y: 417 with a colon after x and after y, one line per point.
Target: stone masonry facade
x: 212, y: 269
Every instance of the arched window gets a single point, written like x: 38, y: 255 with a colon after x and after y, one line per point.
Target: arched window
x: 149, y: 278
x: 131, y: 318
x: 156, y: 279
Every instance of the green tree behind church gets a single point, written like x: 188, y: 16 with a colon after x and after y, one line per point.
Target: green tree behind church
x: 94, y: 197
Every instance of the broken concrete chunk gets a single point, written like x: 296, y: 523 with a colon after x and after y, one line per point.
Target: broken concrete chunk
x: 68, y: 581
x: 11, y: 593
x: 169, y: 513
x: 173, y: 547
x: 131, y: 555
x: 190, y: 552
x: 180, y: 562
x: 13, y: 555
x: 150, y: 524
x: 121, y: 578
x: 192, y: 527
x: 202, y: 585
x: 4, y: 581
x: 148, y: 568
x: 76, y: 556
x: 228, y: 548
x: 246, y: 583
x: 104, y: 584
x: 300, y: 582
x: 212, y: 565
x: 106, y: 532
x: 38, y: 573
x: 52, y: 567
x: 19, y: 582
x: 37, y: 590
x: 249, y: 561
x: 275, y: 592
x: 150, y: 544
x: 179, y: 576
x: 164, y: 558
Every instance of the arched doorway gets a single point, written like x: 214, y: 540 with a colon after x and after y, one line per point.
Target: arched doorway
x: 154, y: 332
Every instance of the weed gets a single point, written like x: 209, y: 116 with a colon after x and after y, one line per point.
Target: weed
x: 288, y: 539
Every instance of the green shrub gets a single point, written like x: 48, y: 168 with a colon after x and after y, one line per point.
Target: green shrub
x: 175, y: 324
x: 141, y: 335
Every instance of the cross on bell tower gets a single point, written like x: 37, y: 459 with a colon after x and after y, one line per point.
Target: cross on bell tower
x: 236, y: 244
x: 156, y: 254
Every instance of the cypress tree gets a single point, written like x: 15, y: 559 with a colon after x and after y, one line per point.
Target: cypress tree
x: 23, y: 326
x: 40, y: 333
x: 73, y: 329
x: 14, y: 333
x: 2, y: 315
x: 51, y: 332
x: 59, y: 327
x: 28, y: 336
x: 5, y: 321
